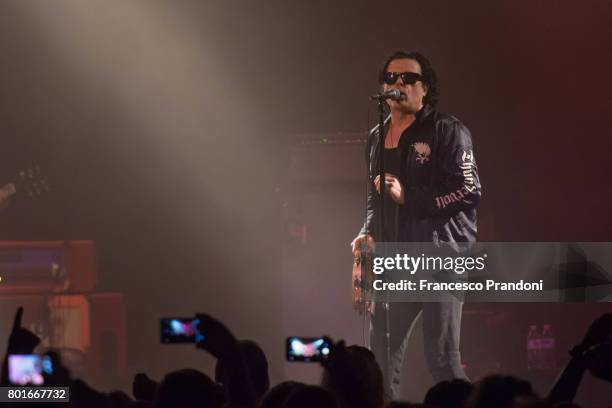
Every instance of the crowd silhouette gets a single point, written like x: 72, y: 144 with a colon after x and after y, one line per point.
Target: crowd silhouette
x: 351, y: 378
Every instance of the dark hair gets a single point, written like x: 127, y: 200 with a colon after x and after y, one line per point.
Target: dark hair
x: 307, y: 396
x: 354, y: 377
x: 256, y: 364
x: 185, y: 388
x: 429, y: 75
x: 500, y: 391
x: 448, y: 394
x: 279, y: 393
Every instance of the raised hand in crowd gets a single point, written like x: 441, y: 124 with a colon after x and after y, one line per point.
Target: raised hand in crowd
x: 591, y: 354
x: 221, y: 343
x: 598, y: 332
x: 21, y: 341
x: 598, y: 361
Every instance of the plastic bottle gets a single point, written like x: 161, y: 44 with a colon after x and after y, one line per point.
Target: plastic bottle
x: 533, y: 348
x: 548, y: 348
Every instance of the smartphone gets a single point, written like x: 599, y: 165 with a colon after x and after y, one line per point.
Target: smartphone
x: 26, y: 369
x: 307, y: 349
x: 176, y: 330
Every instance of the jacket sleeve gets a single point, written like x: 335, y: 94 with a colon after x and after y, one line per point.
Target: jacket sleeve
x: 368, y: 224
x: 457, y: 185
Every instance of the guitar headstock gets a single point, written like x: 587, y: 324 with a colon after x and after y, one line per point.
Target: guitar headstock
x: 32, y: 182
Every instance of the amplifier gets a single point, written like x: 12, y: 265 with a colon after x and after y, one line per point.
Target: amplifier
x: 46, y: 266
x: 88, y: 329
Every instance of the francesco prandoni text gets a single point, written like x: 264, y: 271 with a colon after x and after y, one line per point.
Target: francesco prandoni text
x: 458, y: 265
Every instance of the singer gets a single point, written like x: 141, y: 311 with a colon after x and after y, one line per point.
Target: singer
x: 432, y: 190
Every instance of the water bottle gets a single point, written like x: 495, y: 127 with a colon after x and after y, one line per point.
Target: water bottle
x: 548, y: 348
x: 533, y: 348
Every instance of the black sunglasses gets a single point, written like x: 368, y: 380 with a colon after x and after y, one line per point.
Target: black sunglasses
x: 408, y: 78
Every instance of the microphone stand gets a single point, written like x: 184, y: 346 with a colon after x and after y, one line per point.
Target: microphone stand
x: 381, y: 168
x: 382, y: 183
x: 381, y: 215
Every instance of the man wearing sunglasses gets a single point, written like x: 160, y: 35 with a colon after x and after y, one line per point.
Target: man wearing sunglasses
x: 432, y: 189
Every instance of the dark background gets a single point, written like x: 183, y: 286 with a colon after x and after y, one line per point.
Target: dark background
x: 163, y: 127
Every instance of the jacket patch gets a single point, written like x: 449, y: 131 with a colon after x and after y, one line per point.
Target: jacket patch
x: 467, y: 168
x: 423, y: 151
x: 467, y: 165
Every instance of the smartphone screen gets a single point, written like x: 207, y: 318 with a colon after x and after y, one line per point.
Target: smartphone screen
x: 25, y: 369
x: 307, y: 349
x: 179, y: 330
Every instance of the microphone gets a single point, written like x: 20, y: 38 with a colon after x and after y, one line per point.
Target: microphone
x: 394, y: 94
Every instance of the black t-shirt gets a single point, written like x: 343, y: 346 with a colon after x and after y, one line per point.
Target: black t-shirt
x: 392, y: 165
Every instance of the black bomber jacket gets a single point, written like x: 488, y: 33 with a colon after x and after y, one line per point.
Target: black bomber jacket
x: 440, y: 179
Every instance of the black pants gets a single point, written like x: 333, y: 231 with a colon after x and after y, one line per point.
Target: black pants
x: 441, y: 332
